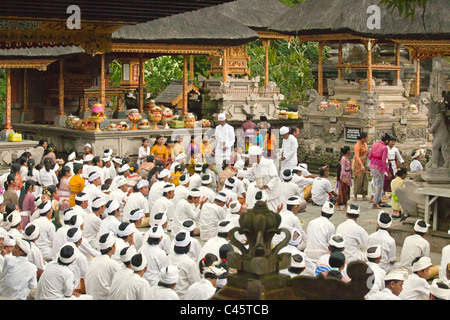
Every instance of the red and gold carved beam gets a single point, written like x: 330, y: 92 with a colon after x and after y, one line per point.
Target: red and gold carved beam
x: 166, y: 48
x: 61, y: 88
x: 39, y: 64
x: 8, y: 101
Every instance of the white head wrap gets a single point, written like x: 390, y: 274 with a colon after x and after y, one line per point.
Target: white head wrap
x: 353, y: 209
x: 76, y: 236
x: 198, y: 167
x: 235, y: 206
x: 88, y: 158
x: 221, y: 197
x: 106, y: 159
x: 297, y: 264
x: 160, y: 219
x: 440, y: 293
x: 107, y: 153
x: 130, y: 228
x: 82, y: 197
x: 298, y: 240
x: 396, y: 275
x: 376, y: 253
x: 338, y: 244
x: 138, y: 262
x: 88, y: 145
x: 68, y: 214
x: 94, y: 175
x: 128, y: 254
x: 169, y: 274
x: 221, y: 117
x: 33, y: 235
x: 142, y: 183
x: 294, y: 201
x: 217, y: 271
x: 186, y: 241
x: 9, y: 241
x: 184, y: 179
x: 181, y: 156
x: 47, y: 206
x: 14, y: 218
x: 240, y: 164
x: 109, y: 242
x: 155, y: 232
x: 67, y: 259
x: 24, y: 245
x: 286, y: 177
x: 71, y: 156
x: 416, y: 154
x: 381, y: 224
x: 194, y: 193
x: 230, y: 182
x: 168, y: 187
x: 422, y: 263
x: 117, y: 160
x: 37, y: 200
x: 163, y: 173
x: 98, y: 202
x: 78, y: 220
x: 113, y: 206
x: 123, y: 168
x: 189, y: 225
x: 206, y: 179
x: 284, y: 130
x: 419, y: 228
x: 224, y: 226
x: 328, y: 207
x: 121, y: 181
x: 255, y: 151
x: 136, y: 214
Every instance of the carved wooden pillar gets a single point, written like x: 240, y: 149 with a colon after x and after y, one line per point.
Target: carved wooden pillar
x: 397, y: 60
x: 25, y: 91
x: 8, y: 101
x: 185, y: 83
x: 141, y: 84
x: 61, y: 88
x: 224, y: 66
x: 191, y: 67
x: 369, y: 66
x: 418, y: 77
x: 266, y: 44
x: 102, y: 80
x: 320, y: 69
x: 340, y: 61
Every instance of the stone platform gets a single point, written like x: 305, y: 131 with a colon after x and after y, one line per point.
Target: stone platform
x: 12, y: 150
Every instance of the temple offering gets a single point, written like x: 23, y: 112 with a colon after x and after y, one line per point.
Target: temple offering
x: 382, y: 108
x: 144, y: 124
x: 123, y: 125
x: 352, y: 106
x: 323, y: 105
x: 189, y: 121
x: 155, y: 116
x: 283, y: 114
x: 98, y: 111
x: 205, y: 123
x: 134, y: 117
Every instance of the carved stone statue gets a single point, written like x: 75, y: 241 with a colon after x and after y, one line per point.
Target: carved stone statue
x: 369, y: 101
x: 440, y: 156
x: 424, y: 101
x: 315, y: 100
x: 330, y: 85
x: 407, y: 87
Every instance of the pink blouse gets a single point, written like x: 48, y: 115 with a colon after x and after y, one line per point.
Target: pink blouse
x: 346, y: 171
x: 378, y: 157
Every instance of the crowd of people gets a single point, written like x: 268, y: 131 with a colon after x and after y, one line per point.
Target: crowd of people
x: 102, y: 227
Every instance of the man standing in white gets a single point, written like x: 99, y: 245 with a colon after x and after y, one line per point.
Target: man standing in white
x: 289, y: 150
x: 415, y: 245
x: 225, y: 137
x: 319, y: 232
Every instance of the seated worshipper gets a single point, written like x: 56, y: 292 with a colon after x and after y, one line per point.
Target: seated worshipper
x: 134, y: 177
x: 138, y: 200
x: 292, y: 248
x: 47, y: 230
x: 213, y: 245
x: 190, y: 226
x: 120, y: 192
x: 319, y: 232
x: 189, y: 208
x: 233, y: 214
x: 228, y: 170
x: 124, y: 238
x: 31, y: 233
x: 189, y: 273
x: 337, y: 243
x: 266, y: 176
x: 206, y: 287
x: 289, y: 219
x: 111, y: 223
x: 196, y: 179
x: 415, y: 164
x: 376, y: 283
x: 159, y: 150
x: 18, y: 277
x: 123, y: 171
x: 386, y: 241
x: 108, y: 170
x: 136, y: 217
x: 136, y: 287
x: 444, y: 268
x: 76, y: 183
x: 337, y: 264
x: 102, y: 269
x: 168, y: 278
x: 229, y: 188
x: 439, y: 290
x: 297, y: 266
x: 206, y: 188
x: 176, y: 174
x: 8, y: 246
x: 304, y: 183
x: 87, y: 165
x: 60, y: 237
x: 416, y: 286
x: 180, y: 160
x: 160, y: 219
x: 182, y: 190
x: 97, y: 166
x: 154, y: 254
x: 146, y: 166
x: 210, y: 215
x: 122, y: 275
x: 58, y: 280
x: 208, y: 260
x: 93, y: 221
x: 165, y: 204
x: 356, y: 237
x: 15, y: 224
x: 81, y: 206
x: 92, y: 189
x: 322, y: 190
x: 80, y: 264
x: 415, y: 245
x: 397, y: 183
x: 290, y: 189
x: 393, y: 286
x: 156, y: 191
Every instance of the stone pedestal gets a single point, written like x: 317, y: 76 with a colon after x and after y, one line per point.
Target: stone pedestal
x: 4, y: 136
x: 60, y: 120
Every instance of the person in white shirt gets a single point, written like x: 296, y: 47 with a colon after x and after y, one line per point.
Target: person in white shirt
x: 356, y: 237
x: 31, y: 233
x: 168, y: 278
x: 87, y: 165
x: 182, y: 190
x: 225, y: 138
x: 123, y: 171
x: 190, y: 226
x: 143, y: 151
x: 189, y: 272
x: 47, y: 175
x: 80, y: 264
x: 211, y: 214
x: 154, y: 254
x: 124, y: 238
x: 288, y: 150
x: 102, y: 269
x: 111, y: 223
x: 120, y: 192
x: 164, y: 204
x: 415, y: 245
x: 92, y: 189
x: 376, y: 281
x: 189, y: 208
x: 93, y: 221
x: 305, y: 184
x: 160, y: 219
x: 15, y: 224
x: 393, y: 286
x: 138, y: 200
x: 18, y: 276
x: 384, y: 239
x: 295, y: 239
x: 196, y: 179
x: 337, y: 243
x: 156, y: 191
x: 136, y: 217
x: 445, y: 260
x: 213, y: 244
x: 206, y: 188
x: 109, y: 172
x: 439, y: 290
x: 415, y: 164
x: 319, y: 232
x: 207, y: 286
x: 61, y: 234
x: 123, y: 273
x: 416, y: 286
x: 229, y: 188
x: 290, y: 189
x: 297, y: 266
x: 81, y: 204
x: 322, y: 190
x: 47, y: 230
